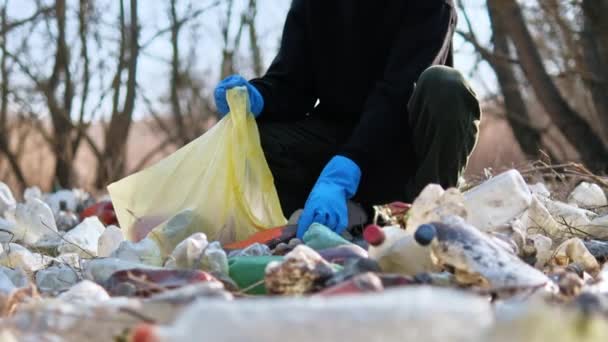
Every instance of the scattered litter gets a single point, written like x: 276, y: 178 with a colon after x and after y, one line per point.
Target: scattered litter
x: 17, y: 256
x: 145, y: 282
x: 188, y: 253
x: 83, y: 239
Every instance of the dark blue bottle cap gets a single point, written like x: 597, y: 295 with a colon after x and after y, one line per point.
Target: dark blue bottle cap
x: 425, y: 234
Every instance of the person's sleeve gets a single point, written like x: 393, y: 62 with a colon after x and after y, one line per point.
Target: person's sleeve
x: 287, y: 87
x: 419, y: 44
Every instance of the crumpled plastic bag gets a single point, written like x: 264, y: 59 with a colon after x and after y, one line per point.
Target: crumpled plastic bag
x: 222, y: 176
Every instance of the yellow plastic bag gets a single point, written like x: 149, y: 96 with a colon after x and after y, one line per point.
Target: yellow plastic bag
x: 222, y: 177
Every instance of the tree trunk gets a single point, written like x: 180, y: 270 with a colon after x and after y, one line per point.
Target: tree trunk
x: 113, y: 159
x: 595, y: 53
x: 527, y: 136
x: 576, y: 129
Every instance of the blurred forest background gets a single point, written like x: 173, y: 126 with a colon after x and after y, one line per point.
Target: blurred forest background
x: 93, y: 90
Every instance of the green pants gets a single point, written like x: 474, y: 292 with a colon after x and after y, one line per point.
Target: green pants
x: 443, y: 114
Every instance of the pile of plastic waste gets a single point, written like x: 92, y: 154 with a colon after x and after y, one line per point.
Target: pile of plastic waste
x: 503, y: 261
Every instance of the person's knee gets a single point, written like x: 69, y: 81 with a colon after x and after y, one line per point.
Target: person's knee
x: 448, y: 94
x: 442, y: 80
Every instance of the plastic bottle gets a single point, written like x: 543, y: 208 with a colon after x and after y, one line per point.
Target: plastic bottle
x: 498, y: 200
x: 397, y: 252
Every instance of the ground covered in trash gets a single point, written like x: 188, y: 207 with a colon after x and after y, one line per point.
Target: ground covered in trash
x: 512, y: 256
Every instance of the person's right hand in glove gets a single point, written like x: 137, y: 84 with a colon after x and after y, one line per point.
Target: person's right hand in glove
x: 256, y: 101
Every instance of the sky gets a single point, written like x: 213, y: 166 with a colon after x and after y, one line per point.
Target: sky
x: 153, y: 66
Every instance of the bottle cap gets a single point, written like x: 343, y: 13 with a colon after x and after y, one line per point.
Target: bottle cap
x: 374, y: 235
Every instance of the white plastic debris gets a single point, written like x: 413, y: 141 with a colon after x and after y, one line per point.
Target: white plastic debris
x: 188, y: 253
x: 85, y: 292
x: 214, y: 259
x: 66, y: 196
x: 406, y: 314
x: 33, y: 220
x: 17, y: 256
x: 7, y: 200
x: 433, y: 203
x: 588, y: 195
x: 145, y: 252
x: 539, y: 189
x: 31, y: 193
x: 56, y: 278
x: 109, y: 241
x: 83, y: 239
x: 574, y: 251
x: 541, y: 247
x: 497, y: 201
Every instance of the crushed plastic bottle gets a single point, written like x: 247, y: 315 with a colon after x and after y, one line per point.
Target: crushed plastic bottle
x: 575, y: 251
x: 397, y: 251
x: 302, y: 271
x: 188, y: 253
x: 497, y: 201
x: 83, y: 239
x: 85, y: 292
x: 588, y: 195
x: 214, y: 259
x: 320, y: 237
x: 255, y: 250
x: 433, y: 203
x: 342, y: 254
x: 65, y: 198
x: 146, y: 282
x: 33, y: 220
x: 31, y: 193
x: 109, y: 241
x: 144, y: 252
x: 160, y: 242
x: 100, y: 270
x: 362, y: 283
x: 56, y: 278
x: 17, y: 256
x: 477, y: 259
x: 7, y: 201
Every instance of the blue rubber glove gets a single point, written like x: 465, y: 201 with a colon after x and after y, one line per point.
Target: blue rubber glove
x: 326, y: 203
x: 256, y: 101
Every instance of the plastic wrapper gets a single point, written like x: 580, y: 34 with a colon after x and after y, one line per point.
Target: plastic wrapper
x: 497, y: 201
x: 222, y: 177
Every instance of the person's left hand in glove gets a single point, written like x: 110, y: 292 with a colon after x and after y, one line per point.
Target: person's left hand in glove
x: 326, y: 203
x: 256, y: 101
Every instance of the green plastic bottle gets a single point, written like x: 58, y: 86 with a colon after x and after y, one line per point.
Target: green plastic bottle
x: 249, y: 270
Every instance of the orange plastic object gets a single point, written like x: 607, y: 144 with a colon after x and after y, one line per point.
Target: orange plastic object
x: 270, y: 237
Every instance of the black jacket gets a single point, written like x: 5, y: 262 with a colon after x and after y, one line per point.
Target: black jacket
x: 360, y: 59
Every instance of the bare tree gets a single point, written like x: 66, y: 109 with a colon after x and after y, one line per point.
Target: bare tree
x: 112, y: 159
